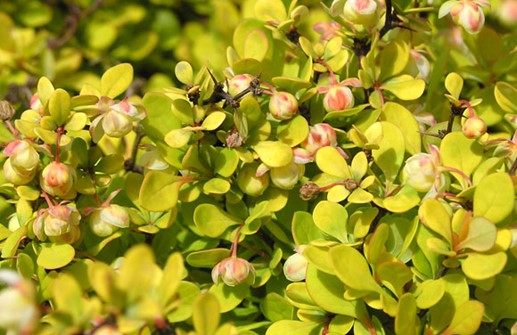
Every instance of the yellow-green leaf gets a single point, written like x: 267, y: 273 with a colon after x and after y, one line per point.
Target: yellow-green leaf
x: 116, y: 80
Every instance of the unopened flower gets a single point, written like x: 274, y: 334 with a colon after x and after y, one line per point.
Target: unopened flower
x: 283, y: 105
x: 105, y: 220
x: 24, y: 158
x: 422, y: 170
x: 239, y: 83
x: 233, y: 271
x: 422, y: 64
x: 295, y: 267
x: 474, y: 127
x: 466, y: 13
x: 117, y: 118
x: 363, y: 12
x: 18, y: 310
x: 60, y: 223
x: 338, y: 96
x: 327, y: 30
x: 57, y: 179
x: 320, y: 135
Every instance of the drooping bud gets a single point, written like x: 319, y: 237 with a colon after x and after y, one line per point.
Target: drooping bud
x: 474, y: 127
x: 338, y: 98
x: 6, y: 110
x: 361, y: 12
x: 59, y: 223
x: 233, y: 271
x: 420, y: 172
x: 295, y: 267
x: 106, y: 220
x: 116, y: 124
x: 283, y: 105
x: 57, y: 179
x: 18, y: 311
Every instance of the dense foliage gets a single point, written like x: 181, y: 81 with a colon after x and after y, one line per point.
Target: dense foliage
x: 344, y: 166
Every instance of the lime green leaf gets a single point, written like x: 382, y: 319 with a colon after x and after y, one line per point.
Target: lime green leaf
x: 59, y: 106
x: 159, y: 120
x: 294, y: 131
x: 481, y: 235
x: 330, y: 161
x: 276, y: 308
x: 178, y: 138
x: 159, y: 191
x: 500, y: 302
x: 256, y: 45
x: 187, y: 292
x: 483, y: 266
x: 205, y: 314
x: 405, y: 199
x: 212, y: 220
x: 405, y: 87
x: 171, y: 278
x: 67, y: 297
x: 352, y: 269
x: 213, y: 120
x: 467, y: 319
x: 230, y: 297
x: 270, y: 10
x: 207, y: 258
x: 292, y: 327
x: 459, y: 152
x: 318, y: 256
x: 434, y: 215
x: 404, y: 119
x: 273, y: 153
x: 429, y: 293
x: 454, y: 84
x: 394, y: 275
x: 505, y: 96
x: 216, y: 186
x: 226, y: 162
x: 135, y: 282
x: 406, y: 318
x: 494, y: 197
x: 391, y: 150
x: 45, y: 90
x: 55, y: 256
x: 116, y: 80
x: 393, y: 59
x: 184, y: 72
x: 76, y: 122
x: 332, y: 219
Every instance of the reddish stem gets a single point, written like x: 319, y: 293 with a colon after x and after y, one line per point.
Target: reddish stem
x: 236, y: 242
x: 60, y: 131
x: 12, y: 129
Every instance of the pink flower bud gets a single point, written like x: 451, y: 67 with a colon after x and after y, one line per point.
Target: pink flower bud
x: 466, y: 13
x: 18, y: 311
x: 338, y: 98
x: 57, y: 179
x: 233, y: 271
x: 320, y: 135
x: 239, y: 83
x: 420, y: 172
x: 361, y: 12
x: 327, y: 30
x: 283, y: 106
x: 422, y: 65
x: 295, y: 267
x: 106, y: 220
x: 60, y: 223
x: 24, y: 158
x: 35, y: 104
x: 474, y: 127
x: 134, y: 111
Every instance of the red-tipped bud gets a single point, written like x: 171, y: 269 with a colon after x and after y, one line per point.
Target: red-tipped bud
x: 250, y: 183
x: 338, y: 98
x: 474, y: 127
x: 466, y: 13
x: 239, y: 83
x: 57, y: 179
x: 233, y: 271
x: 59, y: 223
x: 361, y: 12
x: 295, y: 267
x: 320, y: 135
x: 283, y: 106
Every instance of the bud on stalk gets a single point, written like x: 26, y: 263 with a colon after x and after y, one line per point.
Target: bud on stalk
x: 234, y: 271
x: 283, y: 106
